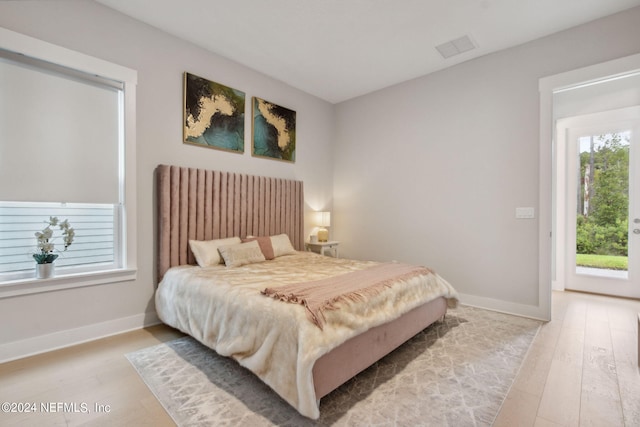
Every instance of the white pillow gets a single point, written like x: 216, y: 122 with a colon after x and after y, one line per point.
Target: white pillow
x: 206, y: 251
x: 282, y: 245
x: 242, y: 254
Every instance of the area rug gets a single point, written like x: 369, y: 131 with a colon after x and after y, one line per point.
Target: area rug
x: 454, y: 373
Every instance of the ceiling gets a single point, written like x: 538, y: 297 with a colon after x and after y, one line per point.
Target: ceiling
x: 341, y: 49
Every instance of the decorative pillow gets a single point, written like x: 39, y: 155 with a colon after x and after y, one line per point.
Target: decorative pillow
x: 265, y: 245
x: 206, y: 251
x: 241, y: 254
x: 282, y: 245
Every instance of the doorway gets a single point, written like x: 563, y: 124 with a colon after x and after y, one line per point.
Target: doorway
x: 597, y: 160
x: 551, y: 222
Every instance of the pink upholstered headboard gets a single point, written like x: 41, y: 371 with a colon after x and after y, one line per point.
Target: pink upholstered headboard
x: 204, y: 205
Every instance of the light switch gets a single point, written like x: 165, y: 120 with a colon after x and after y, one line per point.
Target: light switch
x: 525, y: 213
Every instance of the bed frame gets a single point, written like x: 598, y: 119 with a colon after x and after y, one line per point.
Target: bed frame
x: 203, y: 205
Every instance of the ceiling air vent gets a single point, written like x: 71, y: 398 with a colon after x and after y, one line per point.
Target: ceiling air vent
x: 456, y: 47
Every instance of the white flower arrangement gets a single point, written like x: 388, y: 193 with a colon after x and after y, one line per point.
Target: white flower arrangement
x: 45, y: 243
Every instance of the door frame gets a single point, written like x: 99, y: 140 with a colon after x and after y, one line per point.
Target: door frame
x: 546, y: 193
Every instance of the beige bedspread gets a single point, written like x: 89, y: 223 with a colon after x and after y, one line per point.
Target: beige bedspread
x: 224, y: 309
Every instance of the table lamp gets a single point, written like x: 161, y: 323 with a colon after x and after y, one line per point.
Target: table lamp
x: 324, y: 220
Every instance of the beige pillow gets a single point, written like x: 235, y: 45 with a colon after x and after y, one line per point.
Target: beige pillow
x: 206, y: 251
x: 282, y: 245
x: 241, y: 254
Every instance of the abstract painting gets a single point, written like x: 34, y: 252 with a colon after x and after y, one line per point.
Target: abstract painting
x: 274, y: 131
x: 213, y: 114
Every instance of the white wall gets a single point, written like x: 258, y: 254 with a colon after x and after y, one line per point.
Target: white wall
x: 430, y: 171
x: 34, y: 322
x: 605, y: 96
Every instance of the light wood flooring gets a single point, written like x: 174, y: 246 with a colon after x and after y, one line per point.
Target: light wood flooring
x: 580, y: 371
x: 93, y: 373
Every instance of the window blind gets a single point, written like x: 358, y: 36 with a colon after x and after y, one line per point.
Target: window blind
x: 59, y: 133
x: 94, y: 226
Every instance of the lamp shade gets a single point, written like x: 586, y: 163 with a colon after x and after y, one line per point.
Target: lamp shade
x: 324, y: 219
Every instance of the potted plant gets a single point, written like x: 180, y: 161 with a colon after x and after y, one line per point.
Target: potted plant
x: 45, y: 255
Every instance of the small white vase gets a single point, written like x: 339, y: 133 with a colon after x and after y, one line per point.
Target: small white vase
x: 44, y: 271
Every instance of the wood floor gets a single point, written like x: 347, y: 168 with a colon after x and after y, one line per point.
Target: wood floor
x: 91, y: 373
x: 581, y: 370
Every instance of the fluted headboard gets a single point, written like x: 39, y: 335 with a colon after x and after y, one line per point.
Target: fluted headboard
x: 204, y: 205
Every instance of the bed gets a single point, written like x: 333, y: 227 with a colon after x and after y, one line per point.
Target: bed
x: 301, y: 351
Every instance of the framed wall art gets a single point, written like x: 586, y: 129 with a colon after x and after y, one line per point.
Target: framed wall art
x: 213, y: 114
x: 273, y: 131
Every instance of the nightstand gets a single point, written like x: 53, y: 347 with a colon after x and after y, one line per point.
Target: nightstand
x: 320, y: 247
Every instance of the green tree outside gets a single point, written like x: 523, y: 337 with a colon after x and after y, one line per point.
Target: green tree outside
x: 603, y: 205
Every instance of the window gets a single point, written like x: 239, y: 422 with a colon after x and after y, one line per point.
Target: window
x: 95, y: 246
x: 67, y: 149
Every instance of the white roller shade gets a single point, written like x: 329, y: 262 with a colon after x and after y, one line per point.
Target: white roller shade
x: 59, y: 136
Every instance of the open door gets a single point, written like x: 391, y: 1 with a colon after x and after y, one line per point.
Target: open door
x: 601, y: 212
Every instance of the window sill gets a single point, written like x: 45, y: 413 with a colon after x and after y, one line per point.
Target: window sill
x: 64, y: 281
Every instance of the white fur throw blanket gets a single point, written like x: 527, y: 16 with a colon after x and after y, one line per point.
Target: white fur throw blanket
x: 224, y: 309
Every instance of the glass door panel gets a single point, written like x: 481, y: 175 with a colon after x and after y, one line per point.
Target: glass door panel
x: 602, y: 204
x: 602, y: 214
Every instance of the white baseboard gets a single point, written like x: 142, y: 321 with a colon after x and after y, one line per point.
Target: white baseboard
x: 532, y: 311
x: 44, y: 343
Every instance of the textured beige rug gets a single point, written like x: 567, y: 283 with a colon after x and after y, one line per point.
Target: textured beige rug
x: 454, y: 373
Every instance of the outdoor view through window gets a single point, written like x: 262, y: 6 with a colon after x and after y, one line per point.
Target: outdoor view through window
x: 602, y: 217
